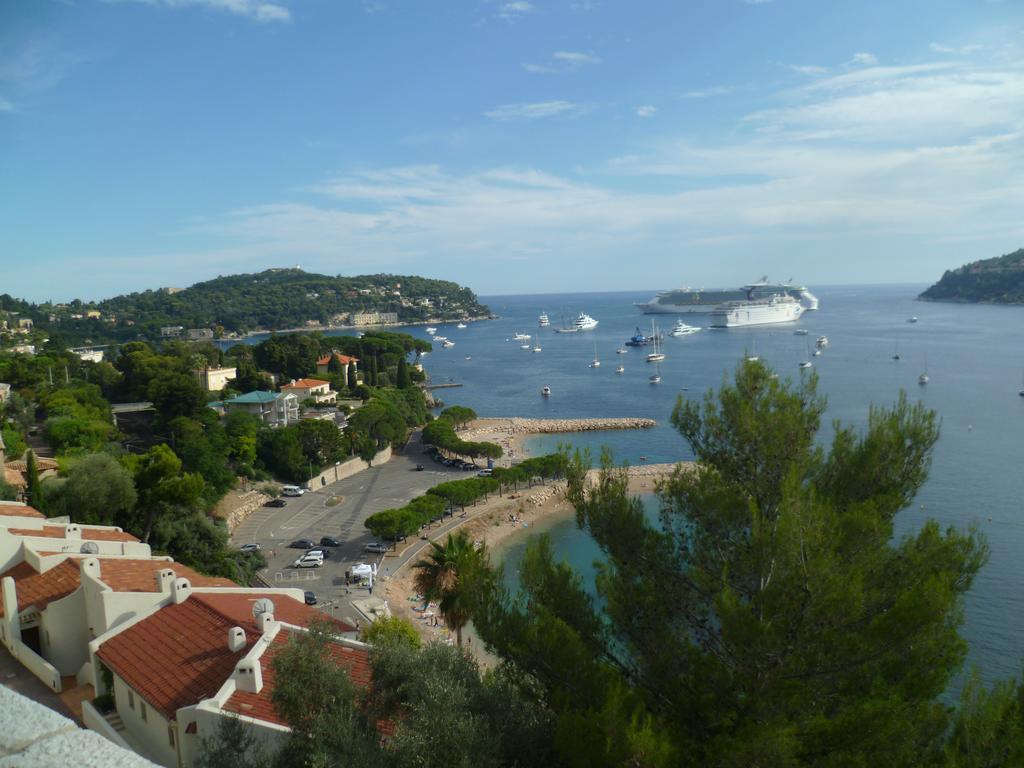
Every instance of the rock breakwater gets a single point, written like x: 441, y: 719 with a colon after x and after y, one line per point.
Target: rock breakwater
x: 521, y: 426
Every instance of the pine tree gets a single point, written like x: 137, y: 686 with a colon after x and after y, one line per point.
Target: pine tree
x: 402, y: 376
x: 34, y: 487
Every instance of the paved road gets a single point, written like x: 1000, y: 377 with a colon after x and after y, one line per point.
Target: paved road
x: 354, y: 499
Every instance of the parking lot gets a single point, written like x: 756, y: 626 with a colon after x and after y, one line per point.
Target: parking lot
x: 339, y: 510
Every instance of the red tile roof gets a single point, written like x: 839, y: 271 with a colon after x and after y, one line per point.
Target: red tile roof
x: 19, y: 510
x: 344, y: 359
x: 88, y: 534
x: 179, y: 655
x: 260, y: 705
x: 306, y: 384
x: 130, y: 575
x: 40, y: 589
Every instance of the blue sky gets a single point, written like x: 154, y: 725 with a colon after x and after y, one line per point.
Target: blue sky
x: 511, y: 145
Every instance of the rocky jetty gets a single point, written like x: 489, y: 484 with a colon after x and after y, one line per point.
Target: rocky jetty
x: 521, y: 426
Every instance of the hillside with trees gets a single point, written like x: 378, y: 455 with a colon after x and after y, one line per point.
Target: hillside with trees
x: 990, y: 281
x: 274, y: 299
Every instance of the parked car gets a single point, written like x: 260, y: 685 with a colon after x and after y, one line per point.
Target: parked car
x: 329, y: 541
x: 292, y: 490
x: 309, y: 561
x: 376, y: 546
x: 485, y: 473
x: 310, y: 598
x: 301, y: 544
x: 323, y: 554
x: 419, y: 467
x: 275, y: 503
x: 251, y: 547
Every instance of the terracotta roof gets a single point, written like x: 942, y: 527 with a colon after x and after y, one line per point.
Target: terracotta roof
x: 13, y: 509
x: 42, y: 464
x: 179, y: 655
x: 40, y: 589
x: 130, y: 575
x: 14, y: 478
x: 88, y: 534
x: 346, y: 359
x: 260, y: 705
x: 306, y: 384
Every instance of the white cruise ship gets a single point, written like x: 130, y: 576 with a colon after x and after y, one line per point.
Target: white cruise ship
x: 698, y: 301
x: 776, y: 309
x: 585, y: 322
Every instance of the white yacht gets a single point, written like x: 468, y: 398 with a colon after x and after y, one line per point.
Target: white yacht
x: 461, y: 325
x: 622, y: 369
x: 431, y: 330
x: 806, y: 364
x: 822, y: 341
x: 520, y: 337
x: 621, y: 351
x: 447, y: 344
x: 440, y: 338
x: 585, y: 322
x: 682, y: 329
x: 543, y: 321
x: 545, y: 391
x: 775, y: 309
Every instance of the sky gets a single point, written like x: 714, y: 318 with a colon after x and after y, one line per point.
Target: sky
x: 514, y: 146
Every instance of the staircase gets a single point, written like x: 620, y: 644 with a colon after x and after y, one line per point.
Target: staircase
x: 115, y: 721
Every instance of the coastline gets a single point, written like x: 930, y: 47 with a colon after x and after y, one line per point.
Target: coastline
x: 322, y: 328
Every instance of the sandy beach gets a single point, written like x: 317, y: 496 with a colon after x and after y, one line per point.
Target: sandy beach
x: 518, y: 513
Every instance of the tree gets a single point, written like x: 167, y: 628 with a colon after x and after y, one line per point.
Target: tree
x: 33, y: 487
x: 768, y: 617
x: 177, y: 395
x: 447, y: 574
x: 458, y: 415
x: 402, y: 375
x: 234, y: 746
x: 162, y: 489
x: 99, y: 491
x: 387, y: 630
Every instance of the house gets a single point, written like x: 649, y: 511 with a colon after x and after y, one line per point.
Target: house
x: 93, y: 314
x: 374, y: 318
x: 89, y: 355
x: 5, y: 391
x: 273, y: 408
x: 15, y: 471
x: 24, y: 349
x: 311, y: 389
x: 215, y: 379
x: 200, y: 334
x: 171, y: 331
x: 25, y: 322
x: 323, y: 363
x: 178, y: 670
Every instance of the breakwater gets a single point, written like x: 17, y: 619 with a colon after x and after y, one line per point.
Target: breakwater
x: 522, y: 426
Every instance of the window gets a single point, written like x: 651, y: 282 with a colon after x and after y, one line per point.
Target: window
x: 142, y: 710
x: 131, y: 700
x: 170, y: 735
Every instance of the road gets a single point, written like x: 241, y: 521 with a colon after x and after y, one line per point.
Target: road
x: 339, y: 509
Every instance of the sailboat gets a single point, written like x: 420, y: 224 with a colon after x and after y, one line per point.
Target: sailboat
x: 657, y: 355
x: 805, y: 364
x: 536, y: 345
x: 656, y: 376
x: 923, y: 378
x: 896, y: 352
x: 752, y: 357
x: 595, y: 363
x: 622, y: 369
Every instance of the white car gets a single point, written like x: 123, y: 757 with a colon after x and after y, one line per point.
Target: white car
x: 309, y: 561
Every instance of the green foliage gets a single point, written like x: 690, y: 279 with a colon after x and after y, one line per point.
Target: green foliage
x: 14, y: 441
x: 33, y: 486
x: 441, y: 434
x: 402, y: 375
x: 234, y: 746
x: 458, y: 415
x: 391, y: 630
x: 77, y: 417
x: 98, y: 491
x: 989, y: 726
x: 164, y: 493
x: 405, y: 521
x: 769, y: 617
x: 998, y: 280
x: 203, y: 447
x: 461, y: 493
x: 7, y: 492
x: 280, y: 451
x: 177, y: 395
x: 451, y: 574
x: 381, y: 420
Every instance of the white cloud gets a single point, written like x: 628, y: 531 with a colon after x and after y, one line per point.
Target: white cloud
x: 647, y: 110
x: 807, y: 69
x: 963, y: 49
x: 534, y: 111
x: 258, y: 10
x: 863, y: 59
x: 703, y: 93
x: 563, y: 61
x: 514, y: 10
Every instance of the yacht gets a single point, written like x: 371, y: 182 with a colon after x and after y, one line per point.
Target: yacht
x: 637, y: 339
x: 822, y: 341
x: 800, y: 332
x: 545, y: 391
x: 775, y: 309
x: 806, y: 364
x: 621, y: 351
x: 657, y: 355
x: 521, y: 337
x: 543, y: 321
x: 461, y: 325
x: 922, y: 379
x: 622, y: 369
x: 536, y: 346
x: 431, y: 330
x: 440, y: 338
x: 682, y: 329
x: 447, y: 344
x: 585, y: 322
x: 700, y: 301
x: 525, y: 345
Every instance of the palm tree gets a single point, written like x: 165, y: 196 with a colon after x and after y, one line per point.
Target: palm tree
x: 447, y: 575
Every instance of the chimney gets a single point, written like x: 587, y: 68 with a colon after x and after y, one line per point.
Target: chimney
x: 249, y: 676
x: 182, y: 589
x: 91, y: 566
x: 73, y: 532
x: 165, y: 580
x: 236, y: 639
x: 264, y: 621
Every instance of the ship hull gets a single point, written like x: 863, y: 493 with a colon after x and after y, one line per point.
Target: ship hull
x: 690, y: 302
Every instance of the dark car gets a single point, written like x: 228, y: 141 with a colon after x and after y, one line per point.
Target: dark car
x: 377, y: 547
x: 275, y: 503
x: 301, y: 544
x: 329, y: 541
x: 419, y: 467
x: 310, y: 598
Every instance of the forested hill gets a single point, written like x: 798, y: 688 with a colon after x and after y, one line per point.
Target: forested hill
x: 275, y: 299
x: 994, y: 281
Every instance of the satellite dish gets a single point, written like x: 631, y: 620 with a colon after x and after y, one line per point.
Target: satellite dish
x: 90, y: 548
x: 261, y: 606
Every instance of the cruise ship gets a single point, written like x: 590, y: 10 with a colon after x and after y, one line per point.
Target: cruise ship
x: 774, y: 309
x: 697, y: 301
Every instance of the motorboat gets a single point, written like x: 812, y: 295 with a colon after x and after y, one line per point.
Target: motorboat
x: 585, y: 322
x: 461, y: 325
x: 545, y: 391
x: 621, y: 351
x: 682, y: 329
x: 521, y: 337
x: 912, y: 319
x: 800, y: 332
x: 922, y: 379
x: 431, y: 330
x: 806, y: 364
x: 821, y: 341
x: 816, y: 352
x: 543, y: 321
x: 440, y: 338
x: 622, y: 369
x: 448, y: 344
x: 525, y: 345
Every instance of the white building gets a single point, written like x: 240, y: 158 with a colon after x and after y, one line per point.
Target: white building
x: 311, y: 389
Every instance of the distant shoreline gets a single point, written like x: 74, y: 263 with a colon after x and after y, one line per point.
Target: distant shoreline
x: 322, y: 328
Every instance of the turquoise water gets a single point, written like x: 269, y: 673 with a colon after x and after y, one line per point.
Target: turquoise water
x: 974, y: 356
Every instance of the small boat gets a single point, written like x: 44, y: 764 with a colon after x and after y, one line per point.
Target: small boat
x: 800, y: 332
x: 822, y: 341
x: 545, y: 391
x: 543, y: 321
x: 622, y: 369
x: 621, y: 351
x: 682, y: 329
x: 816, y: 352
x: 806, y: 364
x: 521, y: 336
x: 431, y: 330
x: 461, y: 325
x: 657, y: 355
x: 440, y: 338
x: 596, y: 362
x: 567, y: 330
x: 468, y: 357
x: 536, y: 346
x: 912, y: 319
x: 655, y: 378
x: 524, y: 346
x: 922, y: 379
x: 448, y: 344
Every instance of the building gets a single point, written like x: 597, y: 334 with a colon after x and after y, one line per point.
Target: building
x: 200, y: 334
x: 215, y: 379
x: 89, y: 355
x: 24, y: 349
x: 374, y: 318
x: 93, y: 314
x: 273, y: 408
x: 171, y: 331
x: 25, y: 322
x: 5, y: 392
x: 311, y: 389
x: 323, y: 363
x: 178, y: 670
